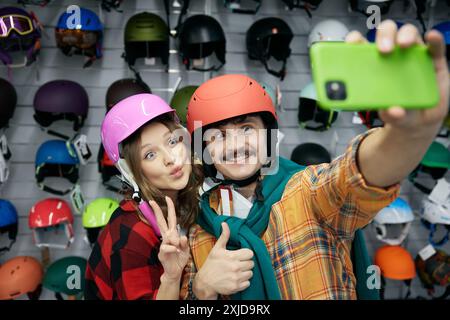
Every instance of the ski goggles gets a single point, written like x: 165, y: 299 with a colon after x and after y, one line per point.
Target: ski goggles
x: 21, y: 24
x: 77, y: 38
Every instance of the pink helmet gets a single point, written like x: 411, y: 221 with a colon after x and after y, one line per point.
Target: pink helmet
x: 125, y: 118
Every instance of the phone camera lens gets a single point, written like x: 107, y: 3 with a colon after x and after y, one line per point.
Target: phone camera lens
x: 336, y: 90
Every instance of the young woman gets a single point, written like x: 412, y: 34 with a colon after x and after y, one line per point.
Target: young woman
x: 139, y: 255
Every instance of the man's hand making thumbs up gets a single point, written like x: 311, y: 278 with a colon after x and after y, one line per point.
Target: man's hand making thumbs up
x: 224, y: 271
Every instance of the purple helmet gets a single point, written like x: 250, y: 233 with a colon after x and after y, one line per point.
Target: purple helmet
x: 127, y: 116
x: 61, y: 99
x: 19, y: 32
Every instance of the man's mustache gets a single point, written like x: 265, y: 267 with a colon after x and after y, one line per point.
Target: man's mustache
x: 234, y: 154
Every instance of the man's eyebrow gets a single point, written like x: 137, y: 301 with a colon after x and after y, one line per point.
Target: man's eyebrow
x: 250, y: 119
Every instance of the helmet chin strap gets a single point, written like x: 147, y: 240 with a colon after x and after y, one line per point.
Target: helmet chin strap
x: 242, y: 183
x: 142, y: 204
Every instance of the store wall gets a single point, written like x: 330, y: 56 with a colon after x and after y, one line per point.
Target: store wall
x: 25, y: 136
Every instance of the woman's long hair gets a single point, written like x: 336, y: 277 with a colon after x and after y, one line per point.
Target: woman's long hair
x: 187, y: 204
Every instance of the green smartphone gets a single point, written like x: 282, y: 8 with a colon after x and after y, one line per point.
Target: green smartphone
x: 359, y: 77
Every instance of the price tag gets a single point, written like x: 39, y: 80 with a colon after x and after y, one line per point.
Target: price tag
x: 4, y: 170
x: 441, y: 192
x: 198, y: 62
x: 77, y: 199
x: 427, y: 252
x: 81, y: 148
x: 150, y: 61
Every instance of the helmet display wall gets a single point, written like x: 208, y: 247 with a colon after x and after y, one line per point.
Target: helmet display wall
x: 55, y: 93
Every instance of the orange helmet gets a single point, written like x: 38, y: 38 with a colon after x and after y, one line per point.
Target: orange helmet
x: 226, y: 97
x: 395, y: 263
x: 20, y: 275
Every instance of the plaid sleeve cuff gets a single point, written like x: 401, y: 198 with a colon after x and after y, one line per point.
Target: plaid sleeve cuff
x: 358, y: 185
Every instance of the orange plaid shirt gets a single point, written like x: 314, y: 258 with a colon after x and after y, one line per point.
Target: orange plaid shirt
x: 311, y: 229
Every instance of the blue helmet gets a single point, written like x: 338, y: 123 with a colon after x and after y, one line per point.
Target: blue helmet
x: 88, y: 42
x: 8, y: 222
x: 8, y: 213
x: 55, y: 158
x: 89, y: 21
x: 444, y: 28
x: 372, y: 32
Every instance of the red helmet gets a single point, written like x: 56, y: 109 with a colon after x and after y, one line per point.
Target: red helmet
x: 226, y: 97
x: 51, y: 212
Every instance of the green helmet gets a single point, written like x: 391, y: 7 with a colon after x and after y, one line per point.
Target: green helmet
x: 436, y: 162
x: 146, y: 26
x: 146, y: 36
x: 66, y: 275
x: 97, y: 213
x: 180, y: 101
x: 437, y: 156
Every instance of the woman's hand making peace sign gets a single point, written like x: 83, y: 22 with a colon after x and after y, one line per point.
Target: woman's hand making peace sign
x: 174, y: 249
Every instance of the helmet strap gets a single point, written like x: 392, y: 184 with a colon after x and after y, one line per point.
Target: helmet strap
x: 54, y: 191
x: 137, y: 197
x: 279, y: 74
x: 242, y: 183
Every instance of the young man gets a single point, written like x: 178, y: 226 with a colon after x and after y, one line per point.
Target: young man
x: 294, y: 228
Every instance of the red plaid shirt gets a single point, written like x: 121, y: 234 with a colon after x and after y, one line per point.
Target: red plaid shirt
x: 124, y: 262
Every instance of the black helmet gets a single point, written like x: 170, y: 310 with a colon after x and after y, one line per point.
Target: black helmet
x: 239, y: 6
x: 310, y: 111
x: 146, y: 36
x: 270, y: 37
x: 199, y: 37
x: 124, y: 88
x: 111, y: 4
x: 307, y: 154
x: 8, y: 102
x: 362, y: 5
x: 307, y: 5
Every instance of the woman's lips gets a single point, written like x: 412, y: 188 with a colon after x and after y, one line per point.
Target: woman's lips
x: 177, y: 172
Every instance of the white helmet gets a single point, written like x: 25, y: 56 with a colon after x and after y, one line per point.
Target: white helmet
x: 328, y: 30
x: 397, y: 213
x: 434, y: 214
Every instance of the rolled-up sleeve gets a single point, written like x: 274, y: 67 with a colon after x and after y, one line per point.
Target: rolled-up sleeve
x: 341, y: 197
